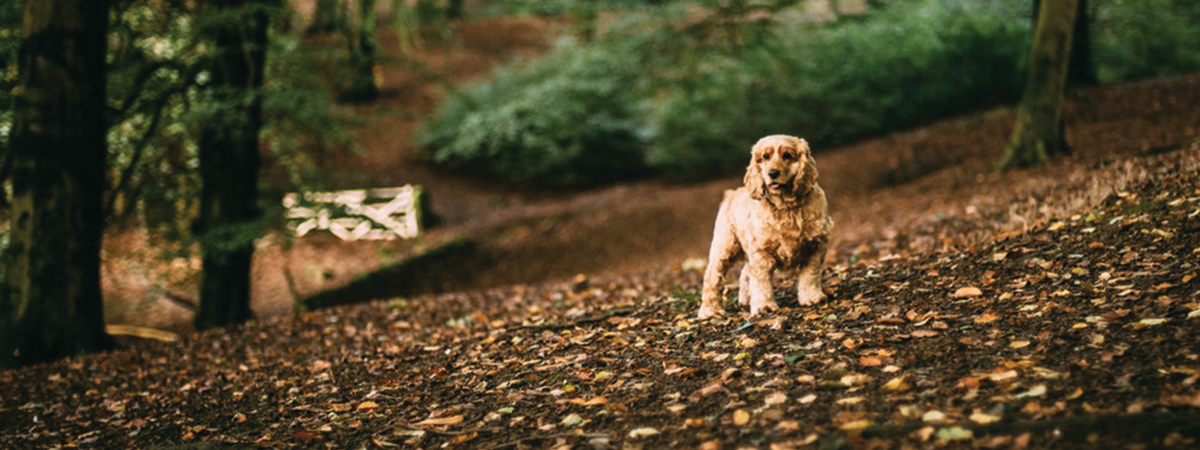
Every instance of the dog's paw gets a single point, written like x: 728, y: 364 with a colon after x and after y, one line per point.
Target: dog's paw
x: 709, y: 312
x: 811, y: 298
x: 763, y: 307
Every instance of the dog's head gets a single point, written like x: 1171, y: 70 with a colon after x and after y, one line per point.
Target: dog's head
x: 780, y: 166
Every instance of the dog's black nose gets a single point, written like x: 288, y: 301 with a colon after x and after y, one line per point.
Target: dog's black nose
x: 773, y: 174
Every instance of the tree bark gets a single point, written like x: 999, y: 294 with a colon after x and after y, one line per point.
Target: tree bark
x: 326, y: 17
x: 1039, y: 132
x: 50, y: 300
x: 229, y: 163
x: 363, y: 87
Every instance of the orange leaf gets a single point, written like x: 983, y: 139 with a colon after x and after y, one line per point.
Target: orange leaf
x: 441, y: 421
x: 870, y: 361
x: 986, y: 318
x: 924, y: 333
x: 968, y: 291
x: 367, y: 406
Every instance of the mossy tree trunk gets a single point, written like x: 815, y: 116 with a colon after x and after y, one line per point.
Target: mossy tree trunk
x: 50, y: 300
x: 1039, y: 132
x: 230, y: 161
x: 1080, y: 71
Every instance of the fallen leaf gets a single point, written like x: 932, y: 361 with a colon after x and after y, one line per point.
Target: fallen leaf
x: 441, y: 421
x: 367, y: 406
x: 924, y: 333
x: 741, y: 417
x: 642, y: 432
x: 898, y: 384
x: 572, y: 420
x: 1002, y: 376
x: 870, y: 361
x: 850, y: 400
x: 1018, y: 344
x: 986, y: 318
x: 954, y: 434
x: 788, y: 426
x: 933, y: 416
x: 983, y: 418
x: 855, y: 425
x: 807, y: 399
x: 967, y: 292
x: 1036, y: 391
x: 777, y: 398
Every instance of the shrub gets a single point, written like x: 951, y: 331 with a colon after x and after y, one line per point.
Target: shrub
x: 1143, y: 39
x: 566, y: 119
x: 833, y: 84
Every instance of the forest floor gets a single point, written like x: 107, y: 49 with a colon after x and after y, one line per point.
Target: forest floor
x: 1054, y: 307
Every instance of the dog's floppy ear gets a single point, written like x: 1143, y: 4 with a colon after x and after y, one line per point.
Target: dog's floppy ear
x: 754, y: 179
x: 808, y: 177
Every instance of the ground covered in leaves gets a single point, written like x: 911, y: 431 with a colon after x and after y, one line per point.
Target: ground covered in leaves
x: 1080, y: 330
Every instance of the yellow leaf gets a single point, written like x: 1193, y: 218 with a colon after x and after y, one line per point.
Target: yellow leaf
x: 898, y: 384
x: 741, y: 417
x: 855, y: 425
x: 1018, y: 344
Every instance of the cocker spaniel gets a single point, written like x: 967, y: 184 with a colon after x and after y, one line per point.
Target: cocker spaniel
x: 778, y: 220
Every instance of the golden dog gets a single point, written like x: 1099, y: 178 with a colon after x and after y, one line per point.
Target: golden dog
x: 778, y: 220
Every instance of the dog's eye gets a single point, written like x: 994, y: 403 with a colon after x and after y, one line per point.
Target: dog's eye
x: 788, y: 156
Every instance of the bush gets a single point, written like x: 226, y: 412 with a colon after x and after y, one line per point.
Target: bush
x: 1148, y: 38
x: 566, y: 119
x: 834, y: 84
x: 689, y: 96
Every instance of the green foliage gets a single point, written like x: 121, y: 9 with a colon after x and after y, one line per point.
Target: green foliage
x: 158, y: 68
x: 702, y: 93
x: 566, y: 119
x: 1145, y: 38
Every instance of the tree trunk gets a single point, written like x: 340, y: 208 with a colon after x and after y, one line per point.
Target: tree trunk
x: 229, y: 163
x: 1080, y: 71
x: 50, y: 301
x: 1039, y: 128
x: 326, y: 17
x: 363, y: 87
x: 454, y: 10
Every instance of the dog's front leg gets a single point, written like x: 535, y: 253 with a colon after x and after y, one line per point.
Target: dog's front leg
x: 762, y: 293
x: 809, y: 283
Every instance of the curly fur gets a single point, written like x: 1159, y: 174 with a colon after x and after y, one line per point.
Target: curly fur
x: 778, y: 220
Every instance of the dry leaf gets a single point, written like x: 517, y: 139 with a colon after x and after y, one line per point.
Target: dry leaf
x: 924, y: 333
x: 855, y: 425
x: 642, y: 432
x: 777, y: 398
x: 898, y: 384
x: 870, y: 361
x: 986, y: 318
x: 741, y: 417
x: 967, y: 292
x: 367, y: 406
x: 441, y: 421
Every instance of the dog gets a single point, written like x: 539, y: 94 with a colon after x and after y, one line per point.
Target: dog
x: 778, y: 220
